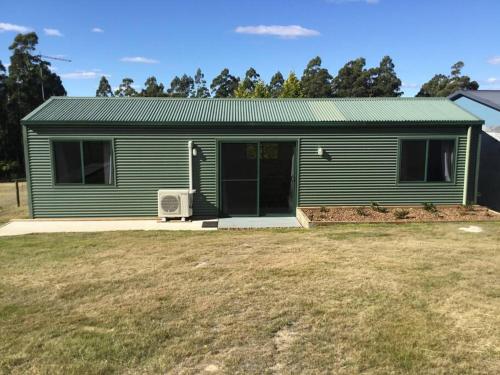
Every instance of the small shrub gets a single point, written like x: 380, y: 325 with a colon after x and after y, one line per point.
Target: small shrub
x: 468, y: 207
x: 401, y: 213
x: 430, y: 207
x: 323, y: 209
x: 361, y: 211
x: 378, y: 208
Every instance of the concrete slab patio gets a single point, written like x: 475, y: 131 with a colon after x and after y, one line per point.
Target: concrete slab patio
x: 27, y: 226
x: 19, y: 227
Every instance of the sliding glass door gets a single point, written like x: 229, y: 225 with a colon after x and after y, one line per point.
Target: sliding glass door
x: 257, y: 178
x: 239, y: 182
x: 277, y: 178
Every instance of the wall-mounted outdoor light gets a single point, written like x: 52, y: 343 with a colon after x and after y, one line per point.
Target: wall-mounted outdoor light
x: 320, y: 151
x: 195, y: 151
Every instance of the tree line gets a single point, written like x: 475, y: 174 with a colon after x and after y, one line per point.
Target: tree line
x: 354, y: 79
x: 29, y: 74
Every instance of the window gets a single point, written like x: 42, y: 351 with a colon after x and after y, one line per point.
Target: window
x: 83, y: 162
x: 68, y: 162
x: 97, y: 162
x: 427, y: 160
x: 412, y: 160
x: 440, y: 164
x: 269, y: 151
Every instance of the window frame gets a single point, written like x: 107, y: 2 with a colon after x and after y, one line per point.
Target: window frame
x: 111, y: 140
x: 427, y: 140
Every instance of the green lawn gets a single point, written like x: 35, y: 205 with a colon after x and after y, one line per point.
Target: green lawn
x: 378, y: 299
x: 8, y: 204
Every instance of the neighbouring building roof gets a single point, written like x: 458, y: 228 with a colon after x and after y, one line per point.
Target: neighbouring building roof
x: 490, y: 98
x: 152, y: 111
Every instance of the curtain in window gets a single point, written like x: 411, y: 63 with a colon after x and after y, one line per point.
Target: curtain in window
x: 97, y: 157
x: 447, y: 155
x: 106, y: 157
x: 292, y: 187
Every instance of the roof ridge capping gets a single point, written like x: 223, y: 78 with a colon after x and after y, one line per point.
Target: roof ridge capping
x: 387, y: 98
x: 283, y: 111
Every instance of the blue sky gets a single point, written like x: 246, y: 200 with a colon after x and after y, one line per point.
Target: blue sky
x: 163, y: 38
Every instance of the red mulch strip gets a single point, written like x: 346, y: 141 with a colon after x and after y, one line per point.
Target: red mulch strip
x: 413, y: 214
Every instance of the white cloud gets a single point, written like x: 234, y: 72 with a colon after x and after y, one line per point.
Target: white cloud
x: 289, y: 31
x: 97, y: 30
x: 408, y: 85
x: 52, y: 32
x: 139, y: 59
x: 84, y: 74
x: 371, y: 2
x: 11, y: 27
x: 494, y: 60
x: 492, y: 83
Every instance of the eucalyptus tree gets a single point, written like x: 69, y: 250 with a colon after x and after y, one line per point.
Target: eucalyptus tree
x: 152, y: 88
x: 126, y: 88
x: 276, y: 85
x: 224, y: 85
x: 104, y: 88
x: 385, y: 81
x: 200, y: 89
x: 353, y: 80
x: 444, y: 85
x: 316, y: 82
x: 182, y: 87
x: 28, y: 75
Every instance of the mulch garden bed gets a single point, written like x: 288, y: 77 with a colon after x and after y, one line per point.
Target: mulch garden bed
x: 376, y: 213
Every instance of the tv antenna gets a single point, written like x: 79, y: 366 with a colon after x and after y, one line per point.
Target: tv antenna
x: 39, y: 57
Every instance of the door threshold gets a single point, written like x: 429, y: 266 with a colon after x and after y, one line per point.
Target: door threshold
x: 258, y: 222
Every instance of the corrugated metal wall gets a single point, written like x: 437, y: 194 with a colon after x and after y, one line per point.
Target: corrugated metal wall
x: 362, y: 167
x: 359, y: 166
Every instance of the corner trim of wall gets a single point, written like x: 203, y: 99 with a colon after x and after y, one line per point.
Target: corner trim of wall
x: 27, y: 167
x: 467, y: 162
x: 478, y: 157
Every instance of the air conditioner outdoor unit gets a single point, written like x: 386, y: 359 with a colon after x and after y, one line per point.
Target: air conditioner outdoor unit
x: 174, y: 203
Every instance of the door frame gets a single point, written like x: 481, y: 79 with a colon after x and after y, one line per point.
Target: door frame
x: 258, y: 141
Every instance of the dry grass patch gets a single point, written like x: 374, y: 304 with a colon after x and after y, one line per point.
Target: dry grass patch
x: 8, y: 204
x: 422, y: 298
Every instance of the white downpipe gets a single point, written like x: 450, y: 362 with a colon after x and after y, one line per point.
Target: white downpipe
x: 190, y: 149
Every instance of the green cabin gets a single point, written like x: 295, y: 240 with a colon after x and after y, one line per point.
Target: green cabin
x: 109, y: 157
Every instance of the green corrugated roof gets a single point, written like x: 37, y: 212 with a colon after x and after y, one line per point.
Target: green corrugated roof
x: 79, y: 110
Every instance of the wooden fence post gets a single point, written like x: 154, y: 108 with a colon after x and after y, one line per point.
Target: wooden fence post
x: 17, y: 194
